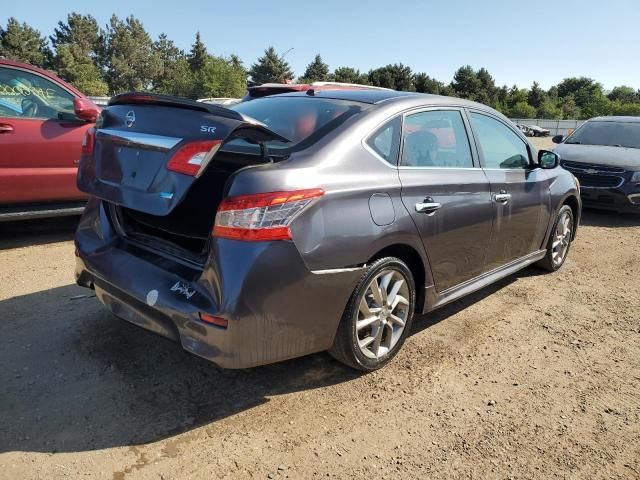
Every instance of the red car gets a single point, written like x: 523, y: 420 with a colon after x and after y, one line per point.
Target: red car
x: 43, y: 121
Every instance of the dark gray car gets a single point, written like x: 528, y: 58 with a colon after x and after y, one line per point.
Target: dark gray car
x: 310, y: 221
x: 604, y: 154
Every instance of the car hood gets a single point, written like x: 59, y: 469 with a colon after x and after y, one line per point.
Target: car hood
x: 627, y: 158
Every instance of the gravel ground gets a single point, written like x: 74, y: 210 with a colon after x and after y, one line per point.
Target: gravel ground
x: 535, y: 377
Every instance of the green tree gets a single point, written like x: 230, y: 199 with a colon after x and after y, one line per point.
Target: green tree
x: 80, y: 30
x: 317, y: 71
x: 466, y: 83
x: 168, y: 55
x: 198, y: 54
x: 548, y: 109
x: 536, y: 95
x: 599, y: 105
x: 178, y: 80
x: 132, y: 63
x: 271, y: 67
x: 25, y: 44
x: 631, y: 109
x: 349, y: 75
x: 584, y: 90
x: 522, y: 110
x: 570, y: 110
x: 624, y: 94
x: 166, y: 50
x: 78, y: 69
x: 396, y: 76
x: 516, y: 95
x: 77, y: 46
x: 423, y: 83
x: 236, y: 61
x: 487, y: 92
x: 220, y: 77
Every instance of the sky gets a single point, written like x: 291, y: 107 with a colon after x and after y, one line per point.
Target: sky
x: 517, y: 41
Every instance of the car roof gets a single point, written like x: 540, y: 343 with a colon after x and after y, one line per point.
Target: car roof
x: 45, y: 73
x: 622, y: 119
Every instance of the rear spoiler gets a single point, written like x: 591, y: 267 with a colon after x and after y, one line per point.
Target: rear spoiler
x: 248, y: 128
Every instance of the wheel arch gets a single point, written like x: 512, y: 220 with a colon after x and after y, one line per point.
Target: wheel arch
x: 414, y: 261
x: 573, y: 202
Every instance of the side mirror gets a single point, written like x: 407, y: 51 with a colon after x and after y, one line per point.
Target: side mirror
x: 557, y: 139
x: 85, y: 109
x: 548, y: 160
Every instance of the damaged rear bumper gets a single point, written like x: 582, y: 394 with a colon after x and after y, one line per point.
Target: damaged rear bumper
x: 276, y: 308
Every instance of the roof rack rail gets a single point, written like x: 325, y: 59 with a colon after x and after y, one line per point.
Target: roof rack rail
x: 345, y: 84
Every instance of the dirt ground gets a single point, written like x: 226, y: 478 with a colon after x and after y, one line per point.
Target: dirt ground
x: 535, y: 377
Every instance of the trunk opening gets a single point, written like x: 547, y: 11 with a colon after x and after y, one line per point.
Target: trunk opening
x: 185, y: 231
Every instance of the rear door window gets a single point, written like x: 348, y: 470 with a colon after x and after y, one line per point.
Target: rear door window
x: 27, y: 95
x: 435, y: 138
x: 501, y: 148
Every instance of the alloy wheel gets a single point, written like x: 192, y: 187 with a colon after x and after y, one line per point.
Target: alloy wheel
x: 562, y: 239
x: 382, y: 313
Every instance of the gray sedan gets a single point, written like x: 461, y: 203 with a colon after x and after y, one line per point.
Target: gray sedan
x: 313, y: 221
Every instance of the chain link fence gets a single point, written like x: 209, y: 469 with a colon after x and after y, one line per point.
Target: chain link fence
x: 556, y: 127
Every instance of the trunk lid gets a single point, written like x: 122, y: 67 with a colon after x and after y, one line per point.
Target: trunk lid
x: 137, y: 135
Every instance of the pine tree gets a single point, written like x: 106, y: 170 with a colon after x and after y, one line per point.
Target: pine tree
x: 168, y: 55
x: 236, y: 61
x: 24, y: 44
x: 131, y: 61
x: 425, y: 84
x: 466, y: 83
x: 349, y: 75
x: 220, y: 77
x: 487, y: 92
x: 397, y: 77
x: 536, y: 96
x: 198, y: 54
x: 78, y: 44
x: 317, y: 71
x: 270, y: 68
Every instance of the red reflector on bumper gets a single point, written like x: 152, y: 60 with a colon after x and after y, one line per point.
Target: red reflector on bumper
x: 217, y: 321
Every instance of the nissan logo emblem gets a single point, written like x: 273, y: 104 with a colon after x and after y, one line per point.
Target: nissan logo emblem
x: 130, y: 118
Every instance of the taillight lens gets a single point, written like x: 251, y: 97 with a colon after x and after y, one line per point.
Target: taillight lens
x: 264, y: 216
x: 193, y: 157
x: 88, y: 142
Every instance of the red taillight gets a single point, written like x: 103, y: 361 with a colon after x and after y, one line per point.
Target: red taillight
x: 88, y: 142
x: 263, y: 216
x: 192, y: 158
x: 213, y: 320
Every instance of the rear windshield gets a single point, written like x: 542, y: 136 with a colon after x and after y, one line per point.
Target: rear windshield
x: 618, y: 134
x: 303, y: 120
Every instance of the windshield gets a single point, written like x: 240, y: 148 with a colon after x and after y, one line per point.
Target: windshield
x: 616, y: 134
x: 303, y: 120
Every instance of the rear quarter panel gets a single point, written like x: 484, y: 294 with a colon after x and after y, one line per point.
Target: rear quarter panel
x: 338, y: 230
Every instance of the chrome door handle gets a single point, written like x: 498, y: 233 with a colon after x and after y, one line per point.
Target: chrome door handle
x: 428, y: 208
x: 502, y: 197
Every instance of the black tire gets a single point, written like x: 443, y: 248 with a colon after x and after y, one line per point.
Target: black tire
x: 548, y: 263
x: 346, y: 348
